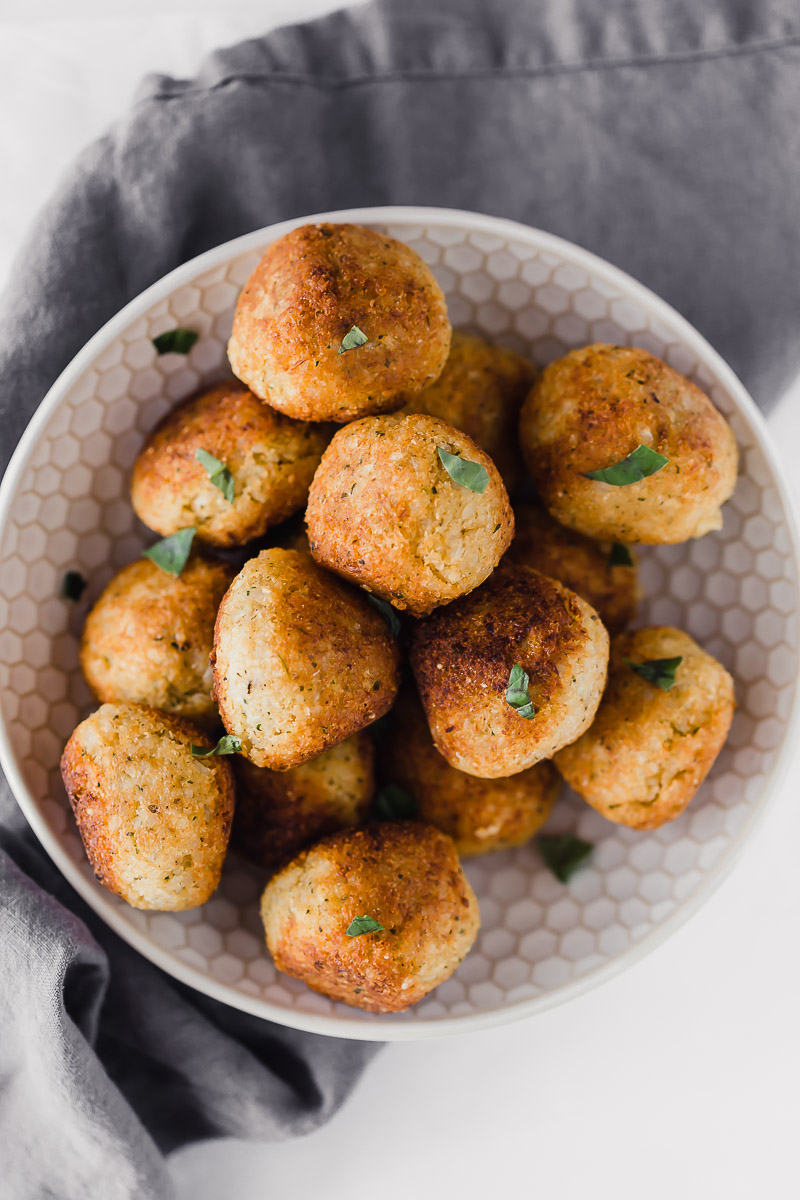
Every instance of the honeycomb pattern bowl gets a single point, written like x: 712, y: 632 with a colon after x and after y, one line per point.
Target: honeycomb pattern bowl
x: 64, y: 506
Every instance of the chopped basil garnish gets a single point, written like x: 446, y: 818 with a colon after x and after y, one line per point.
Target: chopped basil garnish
x: 171, y: 552
x: 220, y: 475
x: 392, y: 803
x: 386, y: 610
x: 517, y: 693
x: 227, y: 744
x: 175, y: 341
x: 354, y: 338
x: 563, y: 853
x: 361, y: 925
x: 467, y: 474
x: 658, y: 671
x: 620, y: 556
x: 640, y: 463
x: 73, y: 585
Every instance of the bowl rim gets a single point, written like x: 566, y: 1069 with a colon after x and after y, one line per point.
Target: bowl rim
x: 385, y: 1027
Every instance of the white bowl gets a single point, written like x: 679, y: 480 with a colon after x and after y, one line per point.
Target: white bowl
x: 64, y: 505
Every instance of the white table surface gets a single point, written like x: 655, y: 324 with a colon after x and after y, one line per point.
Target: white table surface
x: 677, y: 1079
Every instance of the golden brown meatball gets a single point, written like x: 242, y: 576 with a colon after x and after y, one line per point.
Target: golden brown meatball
x: 479, y: 814
x: 463, y: 658
x: 148, y: 637
x: 590, y: 410
x: 649, y: 749
x: 405, y: 876
x: 301, y: 661
x: 278, y: 813
x: 384, y: 512
x: 480, y: 391
x: 310, y: 290
x: 272, y: 460
x: 582, y: 564
x: 154, y: 819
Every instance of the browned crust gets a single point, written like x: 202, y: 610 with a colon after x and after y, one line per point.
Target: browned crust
x: 310, y: 288
x: 406, y: 876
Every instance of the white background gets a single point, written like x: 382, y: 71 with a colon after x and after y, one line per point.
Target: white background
x: 678, y: 1079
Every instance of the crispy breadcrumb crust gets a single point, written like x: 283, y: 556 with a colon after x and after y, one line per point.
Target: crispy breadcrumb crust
x: 404, y: 875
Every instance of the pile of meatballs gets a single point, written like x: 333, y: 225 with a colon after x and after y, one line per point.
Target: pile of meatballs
x: 360, y: 701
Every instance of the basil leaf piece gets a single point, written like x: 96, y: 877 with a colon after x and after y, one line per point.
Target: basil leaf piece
x: 218, y: 474
x: 517, y: 693
x: 175, y: 341
x: 393, y: 803
x: 640, y: 463
x: 658, y: 671
x: 73, y: 585
x: 563, y: 853
x: 227, y: 744
x: 620, y: 556
x: 354, y: 338
x: 172, y: 552
x: 467, y: 474
x: 387, y: 611
x: 361, y: 925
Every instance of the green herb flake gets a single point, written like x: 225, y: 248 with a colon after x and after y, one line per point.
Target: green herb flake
x: 466, y: 474
x: 640, y: 463
x: 73, y: 585
x: 386, y: 610
x: 393, y: 803
x: 171, y: 553
x: 518, y: 694
x: 218, y: 474
x: 361, y: 925
x: 620, y: 556
x: 658, y: 671
x: 175, y: 341
x: 227, y: 744
x: 563, y: 853
x: 354, y: 338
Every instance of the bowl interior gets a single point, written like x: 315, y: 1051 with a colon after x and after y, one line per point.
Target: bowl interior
x: 66, y: 507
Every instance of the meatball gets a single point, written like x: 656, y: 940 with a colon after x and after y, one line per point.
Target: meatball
x: 148, y: 637
x: 403, y: 875
x: 479, y: 814
x: 300, y: 661
x: 592, y: 409
x: 154, y: 819
x: 592, y: 569
x: 271, y: 458
x: 649, y: 749
x: 337, y: 322
x: 278, y: 813
x: 480, y: 391
x: 470, y: 660
x: 384, y: 512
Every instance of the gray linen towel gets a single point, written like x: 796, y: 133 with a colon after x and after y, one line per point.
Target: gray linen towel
x: 661, y: 134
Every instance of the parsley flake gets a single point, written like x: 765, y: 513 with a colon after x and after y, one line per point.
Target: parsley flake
x: 218, y: 474
x: 73, y: 585
x: 640, y: 463
x: 361, y: 925
x: 354, y: 338
x: 227, y: 744
x: 175, y: 341
x: 518, y: 693
x: 171, y: 553
x: 563, y: 853
x: 620, y: 556
x: 467, y: 474
x: 386, y: 610
x: 658, y: 671
x: 393, y: 803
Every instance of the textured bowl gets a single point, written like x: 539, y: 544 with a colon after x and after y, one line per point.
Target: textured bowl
x: 64, y: 505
